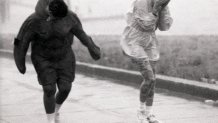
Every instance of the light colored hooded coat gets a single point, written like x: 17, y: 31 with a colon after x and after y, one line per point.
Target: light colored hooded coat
x: 139, y: 38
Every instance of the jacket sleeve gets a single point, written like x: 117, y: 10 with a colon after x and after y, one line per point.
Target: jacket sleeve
x: 129, y: 15
x: 21, y: 43
x: 165, y: 20
x: 143, y: 21
x: 85, y: 39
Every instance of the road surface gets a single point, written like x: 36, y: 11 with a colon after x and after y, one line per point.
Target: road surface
x: 92, y: 100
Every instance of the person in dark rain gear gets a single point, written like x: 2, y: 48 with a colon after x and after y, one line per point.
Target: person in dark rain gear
x: 50, y: 30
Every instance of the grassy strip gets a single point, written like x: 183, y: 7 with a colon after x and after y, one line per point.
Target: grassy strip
x: 189, y: 57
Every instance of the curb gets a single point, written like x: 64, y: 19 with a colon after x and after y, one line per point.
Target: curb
x: 127, y: 77
x: 194, y: 88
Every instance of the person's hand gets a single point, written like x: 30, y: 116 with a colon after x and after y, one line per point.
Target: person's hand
x: 19, y: 60
x: 159, y: 5
x: 22, y: 68
x: 95, y: 52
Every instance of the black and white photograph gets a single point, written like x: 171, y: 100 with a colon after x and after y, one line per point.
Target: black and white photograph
x: 108, y: 61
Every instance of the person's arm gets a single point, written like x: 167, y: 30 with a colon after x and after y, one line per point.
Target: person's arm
x: 145, y: 22
x: 85, y: 39
x: 129, y: 15
x: 158, y: 5
x: 165, y: 20
x: 21, y: 44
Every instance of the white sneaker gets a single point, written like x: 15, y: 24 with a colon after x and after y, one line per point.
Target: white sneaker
x: 152, y: 119
x: 142, y: 115
x: 57, y: 117
x: 51, y: 118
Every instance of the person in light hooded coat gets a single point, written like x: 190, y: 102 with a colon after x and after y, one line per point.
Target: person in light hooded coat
x: 140, y: 44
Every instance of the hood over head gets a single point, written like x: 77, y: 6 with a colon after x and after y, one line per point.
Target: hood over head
x: 41, y: 8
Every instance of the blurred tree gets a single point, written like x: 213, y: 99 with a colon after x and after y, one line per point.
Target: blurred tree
x: 4, y: 10
x: 89, y: 10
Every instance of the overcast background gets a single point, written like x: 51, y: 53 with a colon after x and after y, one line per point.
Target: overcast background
x: 192, y: 17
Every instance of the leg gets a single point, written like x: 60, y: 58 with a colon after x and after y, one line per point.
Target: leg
x: 47, y: 77
x: 64, y: 88
x: 150, y: 98
x: 146, y: 88
x: 49, y: 101
x: 149, y: 101
x: 148, y: 78
x: 49, y: 98
x: 66, y: 75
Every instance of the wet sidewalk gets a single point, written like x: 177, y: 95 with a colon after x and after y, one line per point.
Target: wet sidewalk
x: 92, y: 100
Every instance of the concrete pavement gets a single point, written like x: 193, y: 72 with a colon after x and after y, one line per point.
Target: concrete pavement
x: 92, y: 100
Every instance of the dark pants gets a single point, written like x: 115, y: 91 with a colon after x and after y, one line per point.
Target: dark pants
x: 147, y: 70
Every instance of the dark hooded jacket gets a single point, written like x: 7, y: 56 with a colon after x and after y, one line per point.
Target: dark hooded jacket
x: 50, y: 39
